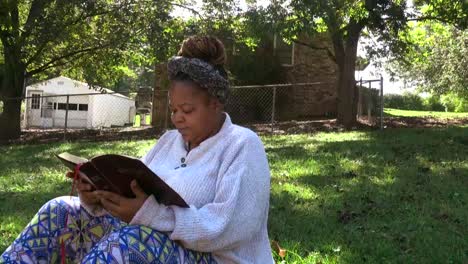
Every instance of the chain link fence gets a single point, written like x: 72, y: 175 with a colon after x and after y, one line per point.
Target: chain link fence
x: 41, y: 111
x: 262, y: 106
x: 370, y: 101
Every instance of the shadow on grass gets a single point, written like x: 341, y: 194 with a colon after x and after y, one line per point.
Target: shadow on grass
x: 393, y: 196
x: 18, y: 208
x: 397, y: 196
x: 30, y: 175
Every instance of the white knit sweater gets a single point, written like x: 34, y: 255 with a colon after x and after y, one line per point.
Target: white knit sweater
x: 226, y: 182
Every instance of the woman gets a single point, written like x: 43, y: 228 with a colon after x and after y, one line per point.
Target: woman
x: 219, y: 168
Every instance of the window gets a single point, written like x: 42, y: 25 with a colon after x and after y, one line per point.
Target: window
x: 71, y: 107
x: 35, y: 101
x: 284, y: 51
x: 62, y: 106
x: 82, y: 107
x: 47, y: 111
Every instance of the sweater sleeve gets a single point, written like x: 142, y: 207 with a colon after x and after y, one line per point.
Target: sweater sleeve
x: 235, y: 215
x: 98, y: 210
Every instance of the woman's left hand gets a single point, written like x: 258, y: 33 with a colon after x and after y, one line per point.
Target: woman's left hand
x: 122, y: 207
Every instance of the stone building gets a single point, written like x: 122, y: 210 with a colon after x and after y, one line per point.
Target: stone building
x: 310, y: 63
x: 306, y: 61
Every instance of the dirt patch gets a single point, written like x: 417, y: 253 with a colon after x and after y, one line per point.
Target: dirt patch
x: 302, y: 127
x: 330, y: 125
x: 424, y: 122
x: 37, y: 136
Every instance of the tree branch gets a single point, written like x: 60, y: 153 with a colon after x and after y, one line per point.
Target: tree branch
x: 188, y: 8
x: 80, y: 52
x: 37, y: 53
x: 29, y: 74
x: 15, y: 20
x: 425, y: 18
x: 3, y: 14
x: 37, y: 8
x: 52, y: 62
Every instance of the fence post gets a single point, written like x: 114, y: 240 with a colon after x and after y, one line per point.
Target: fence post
x: 167, y: 111
x: 273, y: 110
x: 66, y: 119
x: 369, y: 102
x: 360, y: 98
x: 152, y: 108
x: 381, y: 102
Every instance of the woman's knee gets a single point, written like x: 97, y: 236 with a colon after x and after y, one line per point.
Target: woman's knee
x: 61, y: 204
x: 132, y: 240
x: 137, y: 234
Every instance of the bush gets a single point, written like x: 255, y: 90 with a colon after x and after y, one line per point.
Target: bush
x: 454, y: 103
x: 371, y: 97
x: 409, y: 101
x: 433, y: 103
x: 393, y: 101
x: 406, y: 101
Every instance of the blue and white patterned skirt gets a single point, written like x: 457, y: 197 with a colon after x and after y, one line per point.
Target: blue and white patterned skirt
x: 63, y: 230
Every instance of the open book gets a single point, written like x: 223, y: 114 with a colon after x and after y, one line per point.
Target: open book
x: 114, y: 173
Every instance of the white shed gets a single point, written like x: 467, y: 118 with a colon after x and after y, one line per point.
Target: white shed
x: 87, y: 108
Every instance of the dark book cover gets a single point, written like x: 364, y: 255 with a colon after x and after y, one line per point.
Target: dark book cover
x: 114, y: 173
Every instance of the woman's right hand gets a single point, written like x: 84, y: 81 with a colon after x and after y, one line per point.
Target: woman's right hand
x: 85, y: 191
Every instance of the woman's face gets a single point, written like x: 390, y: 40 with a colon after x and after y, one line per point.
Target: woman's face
x: 193, y: 112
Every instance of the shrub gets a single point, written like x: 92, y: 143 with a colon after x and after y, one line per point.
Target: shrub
x: 433, y: 103
x: 410, y: 101
x: 454, y: 103
x: 393, y: 101
x: 406, y: 101
x: 371, y: 97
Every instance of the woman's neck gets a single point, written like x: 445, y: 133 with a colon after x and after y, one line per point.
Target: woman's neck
x: 221, y: 118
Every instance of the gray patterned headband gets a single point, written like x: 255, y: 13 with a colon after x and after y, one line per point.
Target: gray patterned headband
x: 202, y: 73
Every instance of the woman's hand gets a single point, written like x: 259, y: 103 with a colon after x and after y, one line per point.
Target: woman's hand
x: 85, y: 190
x: 122, y: 207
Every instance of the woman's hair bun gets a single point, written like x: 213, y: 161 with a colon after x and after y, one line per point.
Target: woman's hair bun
x: 207, y: 48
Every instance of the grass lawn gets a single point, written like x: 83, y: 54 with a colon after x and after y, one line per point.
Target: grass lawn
x: 398, y: 196
x: 411, y: 113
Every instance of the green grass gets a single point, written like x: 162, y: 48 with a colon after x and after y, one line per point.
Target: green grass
x: 411, y: 113
x: 398, y: 196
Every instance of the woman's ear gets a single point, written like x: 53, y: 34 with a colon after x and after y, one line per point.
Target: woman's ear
x: 216, y: 104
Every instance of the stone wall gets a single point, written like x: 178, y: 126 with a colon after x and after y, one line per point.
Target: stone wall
x: 311, y: 65
x: 305, y: 102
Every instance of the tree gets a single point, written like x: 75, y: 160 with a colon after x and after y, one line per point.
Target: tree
x: 346, y: 20
x: 156, y: 36
x: 437, y: 60
x: 37, y: 36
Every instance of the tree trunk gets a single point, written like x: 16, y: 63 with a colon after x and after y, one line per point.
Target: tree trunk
x: 13, y: 82
x: 10, y: 120
x: 347, y: 103
x: 346, y: 54
x: 160, y: 116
